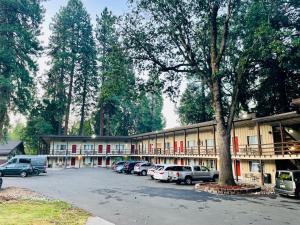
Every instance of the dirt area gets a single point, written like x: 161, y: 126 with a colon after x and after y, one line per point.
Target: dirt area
x: 14, y: 193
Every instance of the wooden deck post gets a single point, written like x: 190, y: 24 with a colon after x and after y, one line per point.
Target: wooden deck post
x: 164, y: 143
x: 198, y: 141
x: 155, y: 144
x: 215, y: 146
x: 185, y: 142
x: 281, y: 138
x: 149, y: 148
x: 174, y: 139
x: 259, y: 139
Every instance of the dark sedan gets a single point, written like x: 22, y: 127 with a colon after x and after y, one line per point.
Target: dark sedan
x: 19, y: 169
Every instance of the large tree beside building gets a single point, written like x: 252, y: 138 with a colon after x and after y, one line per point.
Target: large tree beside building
x: 72, y: 79
x: 192, y: 37
x: 20, y: 27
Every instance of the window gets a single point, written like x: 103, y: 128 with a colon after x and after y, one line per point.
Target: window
x: 61, y: 147
x: 203, y: 168
x: 191, y: 144
x: 167, y: 145
x: 88, y: 147
x: 197, y: 168
x: 187, y: 168
x: 24, y: 161
x: 254, y: 166
x: 209, y: 142
x: 252, y: 140
x: 120, y: 147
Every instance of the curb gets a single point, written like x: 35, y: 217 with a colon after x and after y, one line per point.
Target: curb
x: 97, y: 221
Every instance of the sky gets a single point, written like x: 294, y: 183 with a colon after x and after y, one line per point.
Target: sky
x: 95, y: 7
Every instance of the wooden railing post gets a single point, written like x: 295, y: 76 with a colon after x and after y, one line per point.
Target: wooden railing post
x: 198, y: 140
x: 281, y: 137
x: 215, y: 147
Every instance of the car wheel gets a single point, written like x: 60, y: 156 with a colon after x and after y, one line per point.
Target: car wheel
x: 188, y: 180
x: 23, y: 174
x: 36, y: 172
x: 1, y: 174
x: 215, y: 178
x: 144, y: 173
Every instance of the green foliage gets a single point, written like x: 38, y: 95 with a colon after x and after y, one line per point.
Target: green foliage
x: 17, y: 132
x: 40, y: 122
x: 195, y: 106
x: 19, y: 26
x: 126, y: 109
x: 73, y: 77
x: 87, y: 128
x: 273, y: 28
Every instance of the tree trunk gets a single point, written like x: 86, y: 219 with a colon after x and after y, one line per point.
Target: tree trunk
x: 69, y: 100
x: 222, y: 138
x: 101, y: 133
x: 82, y: 113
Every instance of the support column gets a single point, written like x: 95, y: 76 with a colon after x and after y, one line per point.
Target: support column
x: 281, y: 138
x: 215, y: 146
x: 174, y: 139
x: 198, y: 140
x: 155, y: 143
x: 149, y: 149
x: 185, y: 142
x: 259, y: 138
x: 142, y: 144
x: 164, y: 143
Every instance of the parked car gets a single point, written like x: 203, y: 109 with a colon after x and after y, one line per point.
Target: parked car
x: 120, y: 168
x: 38, y: 163
x: 188, y: 174
x: 116, y: 164
x: 142, y: 168
x: 288, y: 182
x: 129, y: 166
x: 162, y: 174
x: 152, y: 169
x: 22, y: 169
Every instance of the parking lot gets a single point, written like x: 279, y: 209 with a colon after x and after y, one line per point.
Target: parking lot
x: 130, y: 199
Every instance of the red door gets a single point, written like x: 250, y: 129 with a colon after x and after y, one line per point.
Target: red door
x: 235, y: 144
x: 237, y: 168
x: 73, y: 149
x: 175, y: 146
x: 181, y: 146
x: 100, y: 148
x: 107, y: 148
x: 132, y: 149
x: 181, y: 161
x: 108, y: 161
x: 100, y: 161
x: 73, y: 160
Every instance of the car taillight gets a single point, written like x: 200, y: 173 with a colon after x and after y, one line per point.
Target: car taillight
x: 161, y: 172
x: 177, y: 174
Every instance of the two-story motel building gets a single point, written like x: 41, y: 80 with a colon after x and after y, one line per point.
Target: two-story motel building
x: 270, y: 143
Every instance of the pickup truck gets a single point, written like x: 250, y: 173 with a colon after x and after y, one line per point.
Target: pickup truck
x: 188, y: 174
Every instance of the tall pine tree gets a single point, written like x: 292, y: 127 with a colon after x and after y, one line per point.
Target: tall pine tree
x: 72, y: 79
x: 20, y: 26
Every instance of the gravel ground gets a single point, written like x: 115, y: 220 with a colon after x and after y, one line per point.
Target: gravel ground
x: 15, y: 193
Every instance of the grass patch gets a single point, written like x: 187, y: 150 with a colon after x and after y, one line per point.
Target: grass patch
x: 25, y: 212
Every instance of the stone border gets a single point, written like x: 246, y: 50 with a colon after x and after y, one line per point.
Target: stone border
x: 215, y: 189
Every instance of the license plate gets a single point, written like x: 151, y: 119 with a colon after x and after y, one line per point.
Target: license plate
x: 282, y: 186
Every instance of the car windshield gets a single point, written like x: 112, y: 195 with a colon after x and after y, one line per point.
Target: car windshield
x: 284, y: 176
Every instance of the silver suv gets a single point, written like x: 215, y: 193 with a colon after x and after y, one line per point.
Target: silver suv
x: 142, y: 168
x: 188, y: 174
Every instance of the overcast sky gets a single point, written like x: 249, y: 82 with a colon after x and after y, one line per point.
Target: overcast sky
x: 95, y: 7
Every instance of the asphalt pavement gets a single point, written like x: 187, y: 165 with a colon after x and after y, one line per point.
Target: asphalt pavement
x: 135, y: 200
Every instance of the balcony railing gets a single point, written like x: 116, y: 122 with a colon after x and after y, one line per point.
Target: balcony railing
x: 282, y: 148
